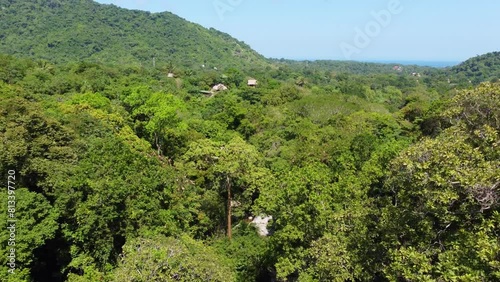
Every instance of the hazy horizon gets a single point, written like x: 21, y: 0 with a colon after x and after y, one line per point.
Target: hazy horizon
x: 382, y: 30
x: 437, y: 64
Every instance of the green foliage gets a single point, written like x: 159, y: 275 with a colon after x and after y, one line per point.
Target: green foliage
x: 231, y: 170
x: 171, y: 259
x: 158, y: 117
x: 94, y: 100
x: 444, y: 203
x: 12, y: 70
x: 369, y: 175
x: 284, y: 94
x: 332, y: 260
x: 479, y: 69
x: 35, y: 223
x: 73, y: 30
x: 36, y: 145
x: 248, y: 252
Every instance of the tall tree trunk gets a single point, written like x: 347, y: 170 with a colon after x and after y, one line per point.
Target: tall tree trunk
x: 229, y: 208
x: 158, y: 145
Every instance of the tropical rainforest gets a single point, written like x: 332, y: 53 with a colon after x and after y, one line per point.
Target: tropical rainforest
x: 124, y: 164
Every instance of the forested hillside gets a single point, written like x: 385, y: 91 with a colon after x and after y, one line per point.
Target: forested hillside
x: 116, y: 171
x: 478, y: 69
x: 73, y: 30
x: 353, y: 67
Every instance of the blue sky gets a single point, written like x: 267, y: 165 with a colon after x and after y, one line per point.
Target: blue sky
x: 410, y: 30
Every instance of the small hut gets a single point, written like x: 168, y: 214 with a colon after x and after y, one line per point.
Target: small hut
x: 219, y: 87
x: 252, y: 82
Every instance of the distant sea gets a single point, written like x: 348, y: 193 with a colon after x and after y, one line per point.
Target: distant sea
x: 436, y: 64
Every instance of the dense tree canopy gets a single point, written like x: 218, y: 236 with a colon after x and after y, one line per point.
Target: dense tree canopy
x: 394, y: 182
x: 124, y: 173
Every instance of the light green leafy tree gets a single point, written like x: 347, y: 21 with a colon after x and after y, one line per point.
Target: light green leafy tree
x: 171, y: 259
x: 159, y: 116
x: 36, y: 222
x: 441, y: 219
x: 231, y: 169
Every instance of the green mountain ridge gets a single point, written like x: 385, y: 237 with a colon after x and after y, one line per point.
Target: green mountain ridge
x: 64, y: 31
x: 72, y: 30
x: 478, y: 69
